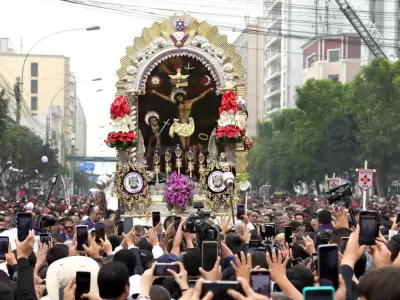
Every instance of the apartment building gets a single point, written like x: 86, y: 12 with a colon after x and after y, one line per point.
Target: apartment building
x: 335, y: 57
x: 81, y: 130
x: 289, y: 24
x: 250, y: 46
x: 48, y: 90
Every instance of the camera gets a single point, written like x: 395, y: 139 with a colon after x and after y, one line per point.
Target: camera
x: 339, y: 193
x: 200, y: 224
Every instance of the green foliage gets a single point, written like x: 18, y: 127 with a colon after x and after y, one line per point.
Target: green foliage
x: 23, y: 149
x: 304, y: 144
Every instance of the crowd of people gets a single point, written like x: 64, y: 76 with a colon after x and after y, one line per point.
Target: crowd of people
x: 123, y: 266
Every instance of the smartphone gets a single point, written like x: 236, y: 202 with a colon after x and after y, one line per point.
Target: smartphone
x: 120, y: 227
x: 220, y: 288
x: 261, y: 282
x: 343, y: 244
x: 398, y: 218
x: 209, y: 254
x: 368, y: 228
x: 156, y: 217
x: 4, y: 241
x: 177, y: 221
x: 82, y: 236
x: 240, y: 211
x: 314, y: 260
x: 192, y: 283
x: 328, y: 265
x: 128, y: 224
x: 288, y: 234
x: 318, y: 293
x: 255, y: 244
x: 44, y: 238
x: 82, y: 284
x: 161, y: 269
x: 24, y: 225
x: 100, y: 232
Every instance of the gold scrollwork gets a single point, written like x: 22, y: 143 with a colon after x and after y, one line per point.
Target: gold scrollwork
x: 140, y: 201
x: 217, y: 202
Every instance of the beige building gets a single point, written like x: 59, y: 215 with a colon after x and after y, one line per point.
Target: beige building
x: 48, y: 89
x: 250, y: 45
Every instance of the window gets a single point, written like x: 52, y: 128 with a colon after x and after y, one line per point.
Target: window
x: 310, y: 61
x: 334, y: 78
x: 34, y: 69
x: 34, y: 103
x: 34, y: 86
x: 333, y: 55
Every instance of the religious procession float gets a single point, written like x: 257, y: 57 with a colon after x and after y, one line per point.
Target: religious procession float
x: 179, y: 120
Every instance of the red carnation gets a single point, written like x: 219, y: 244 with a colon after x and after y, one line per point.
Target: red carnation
x: 119, y: 108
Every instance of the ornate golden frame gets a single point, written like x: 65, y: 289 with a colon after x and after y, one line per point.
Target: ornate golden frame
x: 141, y: 201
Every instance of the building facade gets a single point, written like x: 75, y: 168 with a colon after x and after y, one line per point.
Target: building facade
x: 81, y: 130
x: 336, y: 57
x: 48, y: 89
x: 288, y: 26
x: 249, y: 45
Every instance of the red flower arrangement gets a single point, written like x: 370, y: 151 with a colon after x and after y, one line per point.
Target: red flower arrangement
x: 121, y: 140
x: 119, y: 108
x: 248, y: 144
x: 229, y: 102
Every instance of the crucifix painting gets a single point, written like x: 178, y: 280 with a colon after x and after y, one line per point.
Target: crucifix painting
x: 181, y: 91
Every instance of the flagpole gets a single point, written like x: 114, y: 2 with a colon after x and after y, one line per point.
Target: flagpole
x: 364, y: 191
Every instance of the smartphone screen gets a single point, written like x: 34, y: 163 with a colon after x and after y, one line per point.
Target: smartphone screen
x: 44, y: 238
x: 4, y: 240
x: 177, y: 221
x: 120, y: 226
x: 220, y: 288
x: 82, y: 236
x: 261, y: 282
x: 128, y: 224
x: 209, y: 255
x: 161, y: 269
x: 398, y: 218
x: 328, y: 265
x: 319, y: 293
x: 82, y: 284
x: 343, y: 244
x: 288, y: 234
x: 100, y: 232
x: 156, y: 217
x: 239, y: 211
x: 368, y: 228
x: 255, y: 244
x: 314, y: 260
x: 24, y: 225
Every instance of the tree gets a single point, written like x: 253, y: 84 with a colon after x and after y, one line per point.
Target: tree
x: 22, y: 150
x: 303, y: 144
x: 3, y: 110
x: 376, y: 106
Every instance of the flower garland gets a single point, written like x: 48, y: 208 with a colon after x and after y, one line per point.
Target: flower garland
x: 179, y: 190
x: 123, y: 137
x: 230, y: 127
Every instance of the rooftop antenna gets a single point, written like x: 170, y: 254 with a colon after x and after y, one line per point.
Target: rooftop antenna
x: 246, y: 19
x: 21, y: 45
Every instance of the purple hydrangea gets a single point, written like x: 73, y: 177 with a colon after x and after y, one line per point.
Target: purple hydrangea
x: 179, y: 190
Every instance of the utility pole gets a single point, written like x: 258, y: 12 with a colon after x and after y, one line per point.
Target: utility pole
x: 18, y: 98
x: 48, y: 130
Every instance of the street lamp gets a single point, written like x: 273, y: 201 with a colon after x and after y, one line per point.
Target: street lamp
x: 92, y: 28
x: 99, y: 90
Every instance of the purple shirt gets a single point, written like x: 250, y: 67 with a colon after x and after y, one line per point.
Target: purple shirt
x: 325, y: 227
x: 89, y: 223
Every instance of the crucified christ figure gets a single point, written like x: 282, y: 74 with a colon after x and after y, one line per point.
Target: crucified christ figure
x: 184, y: 125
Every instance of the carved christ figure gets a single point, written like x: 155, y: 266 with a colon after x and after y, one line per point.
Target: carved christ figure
x: 184, y: 125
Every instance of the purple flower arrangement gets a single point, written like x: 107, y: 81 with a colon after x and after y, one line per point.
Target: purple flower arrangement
x: 179, y: 190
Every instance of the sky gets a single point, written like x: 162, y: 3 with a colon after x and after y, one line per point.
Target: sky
x: 97, y: 53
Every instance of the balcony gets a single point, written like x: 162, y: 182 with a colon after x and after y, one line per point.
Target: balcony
x: 272, y: 93
x: 273, y: 75
x: 273, y: 39
x: 274, y: 23
x: 272, y: 6
x: 272, y: 57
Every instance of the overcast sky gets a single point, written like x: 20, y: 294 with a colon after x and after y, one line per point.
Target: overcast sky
x: 97, y: 53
